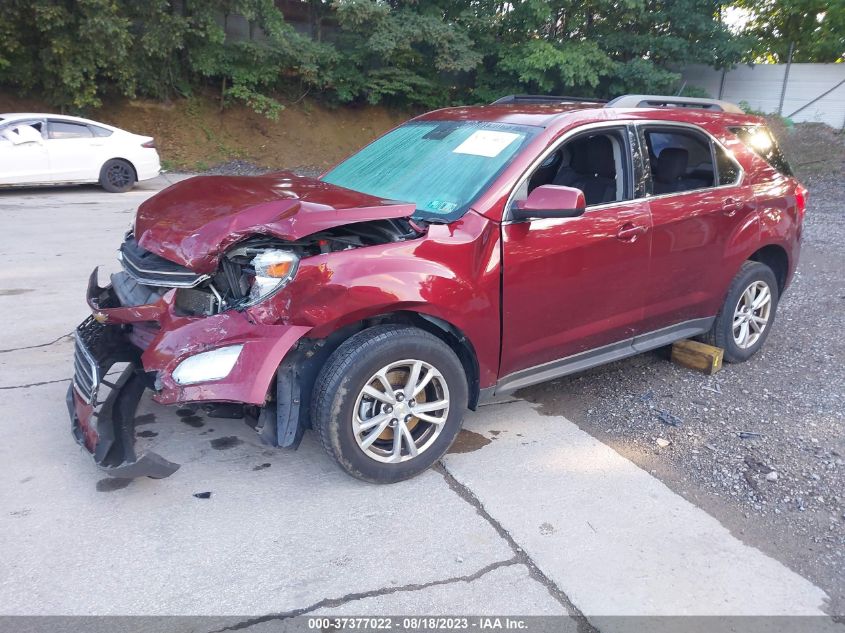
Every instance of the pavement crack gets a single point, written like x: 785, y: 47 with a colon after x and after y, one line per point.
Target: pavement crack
x: 350, y: 597
x: 35, y: 384
x: 50, y: 382
x: 583, y: 625
x: 18, y: 349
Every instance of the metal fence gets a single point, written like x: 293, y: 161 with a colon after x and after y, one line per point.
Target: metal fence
x: 802, y: 92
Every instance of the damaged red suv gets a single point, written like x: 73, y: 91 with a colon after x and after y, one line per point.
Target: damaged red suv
x: 463, y: 255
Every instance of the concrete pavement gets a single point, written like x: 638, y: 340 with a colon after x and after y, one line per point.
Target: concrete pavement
x: 536, y: 517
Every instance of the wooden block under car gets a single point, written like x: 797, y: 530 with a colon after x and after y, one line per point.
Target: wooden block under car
x: 699, y: 356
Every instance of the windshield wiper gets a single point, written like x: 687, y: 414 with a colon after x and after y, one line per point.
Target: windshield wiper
x: 429, y: 220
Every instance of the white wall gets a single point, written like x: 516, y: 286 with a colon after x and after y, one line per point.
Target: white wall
x: 760, y: 85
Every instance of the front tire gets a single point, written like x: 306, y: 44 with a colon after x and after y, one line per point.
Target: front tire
x: 748, y: 313
x: 117, y: 176
x: 389, y: 402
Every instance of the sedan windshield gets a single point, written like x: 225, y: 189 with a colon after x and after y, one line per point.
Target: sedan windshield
x: 441, y: 166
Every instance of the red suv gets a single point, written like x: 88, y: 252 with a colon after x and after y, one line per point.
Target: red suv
x: 463, y: 255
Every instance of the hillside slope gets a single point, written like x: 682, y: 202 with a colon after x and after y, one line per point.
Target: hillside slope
x: 192, y: 134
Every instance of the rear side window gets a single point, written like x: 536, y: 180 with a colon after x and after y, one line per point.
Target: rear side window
x: 63, y: 129
x: 727, y: 168
x: 99, y: 131
x: 680, y: 160
x: 761, y: 140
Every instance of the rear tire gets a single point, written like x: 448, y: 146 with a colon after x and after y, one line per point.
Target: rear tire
x: 117, y: 176
x: 748, y: 313
x: 368, y: 392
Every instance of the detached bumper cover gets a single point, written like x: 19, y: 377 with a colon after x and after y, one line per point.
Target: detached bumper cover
x: 109, y: 434
x: 107, y: 430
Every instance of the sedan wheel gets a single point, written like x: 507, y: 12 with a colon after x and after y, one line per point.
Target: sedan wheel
x: 751, y: 315
x: 117, y: 176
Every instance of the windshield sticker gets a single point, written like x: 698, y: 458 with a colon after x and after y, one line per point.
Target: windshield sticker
x: 486, y: 143
x: 442, y: 206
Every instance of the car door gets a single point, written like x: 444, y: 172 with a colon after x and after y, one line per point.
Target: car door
x: 75, y: 153
x: 698, y: 204
x: 572, y: 285
x: 23, y: 155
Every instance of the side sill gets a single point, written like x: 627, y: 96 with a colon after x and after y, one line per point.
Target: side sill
x: 599, y: 356
x: 667, y: 336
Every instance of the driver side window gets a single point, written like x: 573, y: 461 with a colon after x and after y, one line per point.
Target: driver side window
x: 598, y: 163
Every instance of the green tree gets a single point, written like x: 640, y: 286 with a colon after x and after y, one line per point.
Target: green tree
x: 815, y: 27
x: 602, y: 47
x: 407, y: 52
x: 66, y: 51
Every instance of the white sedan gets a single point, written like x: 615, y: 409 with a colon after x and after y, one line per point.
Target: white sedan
x: 41, y: 149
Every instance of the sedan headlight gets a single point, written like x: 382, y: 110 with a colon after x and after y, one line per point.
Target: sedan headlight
x: 212, y: 365
x: 273, y: 270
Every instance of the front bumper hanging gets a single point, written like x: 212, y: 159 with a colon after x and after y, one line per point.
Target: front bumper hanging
x: 107, y: 431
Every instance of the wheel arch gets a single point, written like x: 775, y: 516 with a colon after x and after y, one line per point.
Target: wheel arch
x: 449, y: 333
x: 775, y: 257
x: 125, y: 160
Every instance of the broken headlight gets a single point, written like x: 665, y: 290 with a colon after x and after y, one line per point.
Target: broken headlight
x: 205, y: 366
x: 273, y: 271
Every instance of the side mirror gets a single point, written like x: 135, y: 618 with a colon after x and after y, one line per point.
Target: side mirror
x: 550, y: 201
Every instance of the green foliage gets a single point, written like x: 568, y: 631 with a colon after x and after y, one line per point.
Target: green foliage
x: 401, y: 55
x: 746, y: 107
x: 419, y: 53
x: 544, y: 66
x: 65, y: 53
x: 816, y: 27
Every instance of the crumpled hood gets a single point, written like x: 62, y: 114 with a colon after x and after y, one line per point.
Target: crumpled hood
x: 194, y: 221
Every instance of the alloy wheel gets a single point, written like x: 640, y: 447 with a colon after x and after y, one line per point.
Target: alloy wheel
x: 400, y: 411
x: 751, y: 315
x: 119, y: 175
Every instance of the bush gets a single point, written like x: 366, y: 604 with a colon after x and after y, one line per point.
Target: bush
x: 426, y: 53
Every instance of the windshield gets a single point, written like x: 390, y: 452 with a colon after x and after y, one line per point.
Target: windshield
x: 440, y: 166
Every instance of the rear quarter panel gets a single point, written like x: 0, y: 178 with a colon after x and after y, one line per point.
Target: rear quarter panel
x: 779, y: 222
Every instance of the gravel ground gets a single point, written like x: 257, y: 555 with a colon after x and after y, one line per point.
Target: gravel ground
x: 239, y: 167
x: 760, y: 445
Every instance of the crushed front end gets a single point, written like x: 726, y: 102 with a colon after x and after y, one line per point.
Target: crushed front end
x: 202, y: 315
x: 173, y: 332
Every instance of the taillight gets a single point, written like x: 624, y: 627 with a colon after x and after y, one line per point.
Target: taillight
x: 801, y: 194
x: 149, y: 144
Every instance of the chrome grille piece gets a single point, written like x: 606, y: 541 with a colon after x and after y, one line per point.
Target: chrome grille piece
x: 86, y: 370
x: 151, y: 270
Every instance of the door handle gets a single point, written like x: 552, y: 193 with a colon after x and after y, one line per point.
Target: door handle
x: 731, y: 207
x: 630, y: 232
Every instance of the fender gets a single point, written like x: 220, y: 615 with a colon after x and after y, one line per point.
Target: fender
x: 454, y: 278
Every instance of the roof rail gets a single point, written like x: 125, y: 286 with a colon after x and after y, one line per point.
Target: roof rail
x: 661, y: 101
x: 545, y: 99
